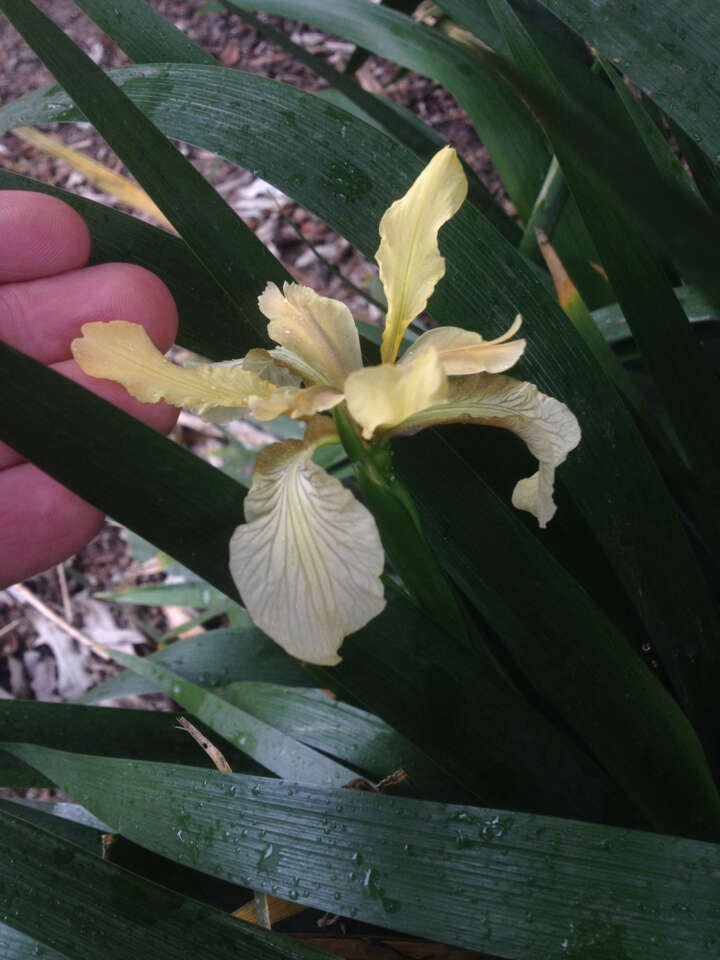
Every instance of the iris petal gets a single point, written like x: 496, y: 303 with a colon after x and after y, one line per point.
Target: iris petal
x: 318, y: 335
x: 463, y: 352
x: 546, y: 425
x: 383, y: 396
x: 123, y: 352
x: 408, y: 256
x: 308, y: 561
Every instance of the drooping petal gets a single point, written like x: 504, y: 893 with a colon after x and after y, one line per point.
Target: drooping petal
x: 408, y: 256
x: 463, y: 352
x: 386, y: 395
x: 123, y: 352
x: 547, y: 426
x: 295, y: 401
x: 318, y: 333
x: 308, y: 561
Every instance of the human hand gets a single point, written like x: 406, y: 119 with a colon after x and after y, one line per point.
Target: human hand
x: 46, y: 294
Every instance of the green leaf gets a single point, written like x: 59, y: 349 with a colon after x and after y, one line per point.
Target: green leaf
x: 574, y: 658
x: 117, y: 237
x: 397, y: 122
x: 667, y: 47
x: 679, y: 226
x: 192, y: 594
x: 516, y: 884
x: 688, y: 384
x: 560, y: 216
x: 78, y: 905
x: 264, y: 743
x: 116, y: 732
x: 143, y: 33
x: 613, y: 325
x: 230, y: 252
x: 684, y: 376
x: 89, y: 838
x: 212, y: 659
x: 16, y: 946
x: 444, y: 696
x: 342, y: 731
x: 49, y: 811
x: 657, y: 146
x: 515, y: 144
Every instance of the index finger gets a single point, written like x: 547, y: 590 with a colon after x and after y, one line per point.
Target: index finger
x: 39, y: 236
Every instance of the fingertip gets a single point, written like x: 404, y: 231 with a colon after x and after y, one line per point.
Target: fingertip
x: 40, y: 236
x: 133, y: 293
x: 42, y: 523
x: 160, y: 416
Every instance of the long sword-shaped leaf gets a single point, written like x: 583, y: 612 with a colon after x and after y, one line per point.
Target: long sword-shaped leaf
x: 699, y: 700
x: 515, y: 884
x: 212, y: 659
x: 652, y: 137
x: 71, y: 813
x: 15, y: 945
x: 685, y: 378
x: 143, y: 33
x: 575, y: 658
x: 89, y: 838
x: 667, y: 47
x: 342, y: 731
x: 266, y: 745
x: 517, y: 149
x: 237, y: 260
x: 613, y: 325
x: 116, y: 733
x: 80, y: 906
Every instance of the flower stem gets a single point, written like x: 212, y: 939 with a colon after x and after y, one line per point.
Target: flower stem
x: 401, y: 529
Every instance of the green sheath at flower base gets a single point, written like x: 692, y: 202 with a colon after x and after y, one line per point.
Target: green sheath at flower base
x: 309, y: 559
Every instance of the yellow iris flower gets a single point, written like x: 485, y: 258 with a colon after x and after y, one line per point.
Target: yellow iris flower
x: 308, y: 561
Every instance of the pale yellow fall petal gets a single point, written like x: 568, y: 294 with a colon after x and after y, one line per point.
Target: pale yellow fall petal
x: 547, y: 426
x: 463, y: 352
x: 317, y: 330
x: 123, y: 352
x: 386, y: 395
x: 308, y: 561
x: 408, y: 256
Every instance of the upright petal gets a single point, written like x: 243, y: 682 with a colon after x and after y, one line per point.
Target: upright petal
x: 318, y: 334
x: 386, y: 395
x: 123, y: 352
x: 463, y: 352
x: 546, y: 425
x: 308, y: 561
x: 408, y: 256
